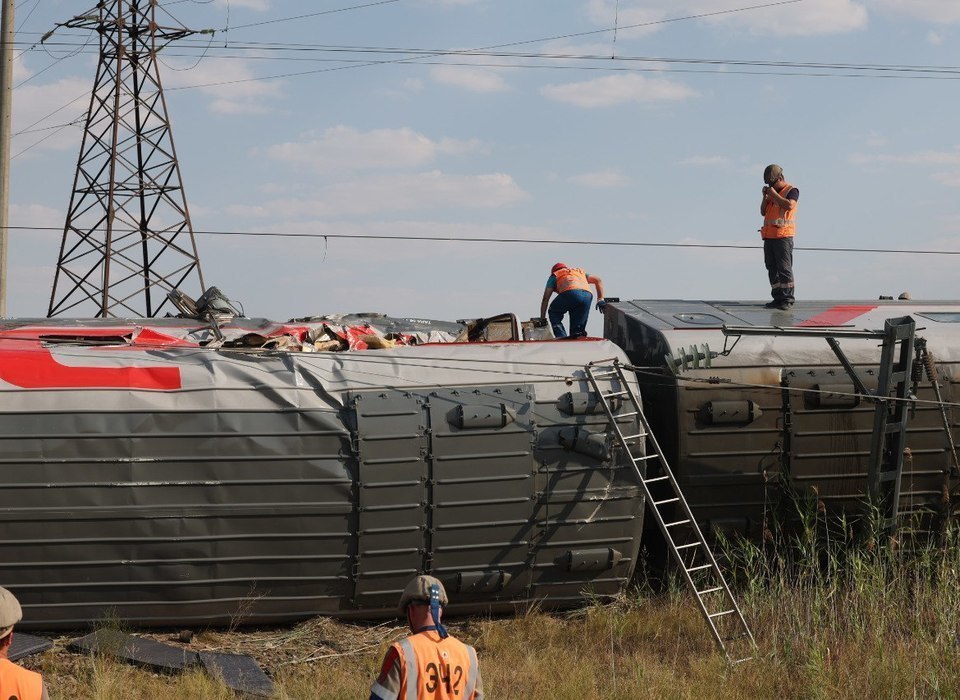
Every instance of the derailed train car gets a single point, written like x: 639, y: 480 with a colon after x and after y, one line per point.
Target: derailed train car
x: 153, y: 473
x: 774, y: 416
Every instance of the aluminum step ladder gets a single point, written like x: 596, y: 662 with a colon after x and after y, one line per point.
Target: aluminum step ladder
x: 670, y: 508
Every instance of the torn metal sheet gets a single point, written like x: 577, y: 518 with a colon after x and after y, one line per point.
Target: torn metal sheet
x: 136, y: 650
x: 24, y: 645
x: 238, y: 672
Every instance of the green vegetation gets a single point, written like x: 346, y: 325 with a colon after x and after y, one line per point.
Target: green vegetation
x: 833, y: 617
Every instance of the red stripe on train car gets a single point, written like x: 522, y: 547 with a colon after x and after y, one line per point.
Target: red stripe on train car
x: 836, y: 316
x: 37, y: 369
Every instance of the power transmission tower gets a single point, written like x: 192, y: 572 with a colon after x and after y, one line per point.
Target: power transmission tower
x: 127, y: 240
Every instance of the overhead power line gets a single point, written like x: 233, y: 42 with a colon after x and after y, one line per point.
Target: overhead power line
x: 538, y: 241
x: 311, y: 14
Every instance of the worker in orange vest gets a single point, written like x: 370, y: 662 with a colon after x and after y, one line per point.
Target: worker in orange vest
x: 572, y: 287
x: 429, y: 664
x: 16, y: 683
x: 779, y: 209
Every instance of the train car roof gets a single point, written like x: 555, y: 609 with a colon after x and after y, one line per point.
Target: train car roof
x: 649, y: 329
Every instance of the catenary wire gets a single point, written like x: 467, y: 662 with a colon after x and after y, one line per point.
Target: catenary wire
x: 540, y: 241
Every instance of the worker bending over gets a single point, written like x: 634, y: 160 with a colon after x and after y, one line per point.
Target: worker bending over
x: 572, y: 287
x: 429, y: 664
x: 16, y: 683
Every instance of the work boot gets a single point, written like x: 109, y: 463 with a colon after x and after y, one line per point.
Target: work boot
x: 775, y: 304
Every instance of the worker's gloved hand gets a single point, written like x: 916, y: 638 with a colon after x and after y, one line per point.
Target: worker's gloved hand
x: 601, y: 305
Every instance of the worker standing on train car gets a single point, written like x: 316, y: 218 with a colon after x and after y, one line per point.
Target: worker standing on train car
x: 572, y: 287
x: 16, y: 683
x: 779, y: 209
x: 429, y: 664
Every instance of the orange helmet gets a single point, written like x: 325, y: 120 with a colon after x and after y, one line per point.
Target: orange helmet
x: 558, y: 266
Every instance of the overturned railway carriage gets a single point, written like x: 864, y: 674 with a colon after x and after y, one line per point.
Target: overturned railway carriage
x: 774, y: 413
x: 146, y: 475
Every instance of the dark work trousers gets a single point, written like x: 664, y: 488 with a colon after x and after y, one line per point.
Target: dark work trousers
x: 575, y: 302
x: 778, y: 257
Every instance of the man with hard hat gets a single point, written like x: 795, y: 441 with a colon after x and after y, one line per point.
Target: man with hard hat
x: 779, y: 209
x: 16, y: 683
x: 572, y: 287
x: 429, y: 664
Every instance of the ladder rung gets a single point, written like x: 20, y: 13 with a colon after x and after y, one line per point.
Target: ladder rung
x: 608, y: 373
x: 656, y: 478
x: 721, y: 614
x: 634, y: 437
x: 710, y: 590
x: 679, y: 522
x: 665, y: 500
x: 615, y: 394
x: 698, y: 568
x: 627, y: 415
x: 646, y: 458
x: 688, y: 546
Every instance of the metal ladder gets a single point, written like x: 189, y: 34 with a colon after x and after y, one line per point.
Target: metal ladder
x: 700, y: 569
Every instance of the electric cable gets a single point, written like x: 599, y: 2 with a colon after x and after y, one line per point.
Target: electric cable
x: 540, y: 241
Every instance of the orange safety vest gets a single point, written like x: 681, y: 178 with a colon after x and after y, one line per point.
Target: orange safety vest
x: 571, y: 278
x: 19, y: 683
x: 777, y: 222
x: 435, y: 668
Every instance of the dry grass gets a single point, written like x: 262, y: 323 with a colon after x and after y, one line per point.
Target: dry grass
x: 859, y: 625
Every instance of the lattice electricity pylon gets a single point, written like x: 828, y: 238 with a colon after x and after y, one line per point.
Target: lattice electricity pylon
x: 127, y: 240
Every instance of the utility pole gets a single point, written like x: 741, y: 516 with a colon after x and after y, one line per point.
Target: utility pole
x: 127, y: 241
x: 6, y: 116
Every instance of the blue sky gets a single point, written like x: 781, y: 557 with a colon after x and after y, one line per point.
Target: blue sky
x: 553, y: 149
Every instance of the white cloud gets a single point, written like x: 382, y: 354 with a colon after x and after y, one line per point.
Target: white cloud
x: 618, y: 89
x: 600, y: 179
x: 38, y: 107
x: 948, y: 179
x: 20, y: 70
x: 936, y: 11
x: 934, y: 38
x: 258, y: 5
x: 451, y: 3
x: 705, y: 161
x: 916, y: 158
x: 227, y: 82
x: 810, y: 17
x: 469, y: 78
x: 35, y: 215
x: 343, y: 147
x: 407, y: 192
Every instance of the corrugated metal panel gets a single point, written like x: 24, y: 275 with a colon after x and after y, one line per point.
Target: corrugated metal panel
x: 101, y: 512
x: 584, y: 502
x: 391, y: 446
x: 830, y: 445
x: 483, y: 486
x: 723, y: 469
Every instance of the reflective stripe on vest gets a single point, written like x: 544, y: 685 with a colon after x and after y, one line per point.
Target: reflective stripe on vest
x: 17, y: 682
x: 409, y: 657
x: 571, y: 278
x: 471, y: 674
x: 777, y: 222
x: 445, y: 669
